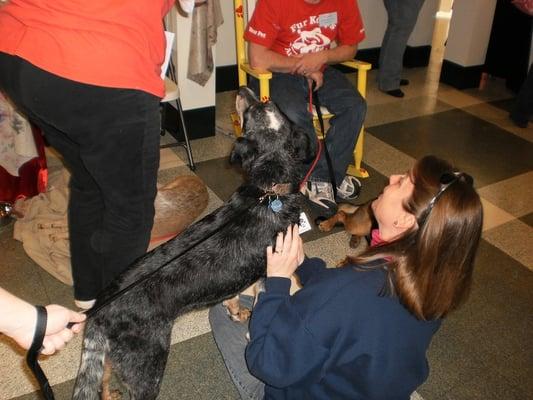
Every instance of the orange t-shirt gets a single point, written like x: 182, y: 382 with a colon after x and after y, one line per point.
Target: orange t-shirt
x: 110, y: 43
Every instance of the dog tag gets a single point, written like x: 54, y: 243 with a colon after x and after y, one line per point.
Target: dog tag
x: 276, y: 205
x: 304, y: 224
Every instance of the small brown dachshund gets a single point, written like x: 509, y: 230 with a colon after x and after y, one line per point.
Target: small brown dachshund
x: 357, y: 221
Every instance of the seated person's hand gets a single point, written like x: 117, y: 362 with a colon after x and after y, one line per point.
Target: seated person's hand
x: 309, y: 63
x: 288, y: 256
x: 317, y: 77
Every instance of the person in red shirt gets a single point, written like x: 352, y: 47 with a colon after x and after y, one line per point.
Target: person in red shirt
x: 89, y: 75
x: 294, y: 40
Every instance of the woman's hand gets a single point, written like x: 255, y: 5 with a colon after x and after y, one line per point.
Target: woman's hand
x: 288, y: 256
x: 57, y: 335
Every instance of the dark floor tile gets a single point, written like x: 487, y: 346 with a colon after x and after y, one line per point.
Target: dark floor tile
x: 506, y: 104
x: 483, y: 350
x: 57, y: 291
x: 221, y: 177
x: 63, y: 391
x: 528, y: 219
x: 18, y: 272
x: 195, y: 370
x: 487, y: 152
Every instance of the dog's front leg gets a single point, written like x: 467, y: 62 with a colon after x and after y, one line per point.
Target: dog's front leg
x: 329, y: 224
x: 236, y: 313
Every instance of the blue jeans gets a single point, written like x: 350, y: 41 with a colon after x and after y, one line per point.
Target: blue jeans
x: 109, y: 140
x: 402, y: 16
x: 340, y: 97
x: 230, y: 337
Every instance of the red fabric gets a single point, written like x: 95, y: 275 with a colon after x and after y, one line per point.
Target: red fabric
x: 526, y: 6
x: 109, y: 43
x: 32, y: 179
x: 295, y: 27
x: 376, y: 238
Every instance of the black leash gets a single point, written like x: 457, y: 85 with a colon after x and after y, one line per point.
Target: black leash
x: 35, y: 349
x: 326, y: 152
x: 40, y: 329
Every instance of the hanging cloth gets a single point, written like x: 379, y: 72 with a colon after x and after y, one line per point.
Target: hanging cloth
x: 23, y: 171
x: 206, y: 19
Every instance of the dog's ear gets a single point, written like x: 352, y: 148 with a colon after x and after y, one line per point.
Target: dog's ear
x: 245, y: 97
x: 303, y: 149
x: 244, y: 152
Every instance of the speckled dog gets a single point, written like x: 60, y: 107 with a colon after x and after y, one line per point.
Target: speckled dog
x: 132, y: 333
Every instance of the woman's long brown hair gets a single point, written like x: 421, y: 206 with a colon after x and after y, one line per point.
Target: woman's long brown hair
x: 430, y: 266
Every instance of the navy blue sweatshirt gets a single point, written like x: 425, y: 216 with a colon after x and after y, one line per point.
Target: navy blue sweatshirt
x: 337, y: 338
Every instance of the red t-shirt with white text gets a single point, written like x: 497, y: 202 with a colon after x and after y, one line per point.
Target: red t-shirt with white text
x: 291, y: 27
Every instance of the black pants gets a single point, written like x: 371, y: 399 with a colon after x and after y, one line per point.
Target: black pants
x: 523, y: 107
x: 109, y: 139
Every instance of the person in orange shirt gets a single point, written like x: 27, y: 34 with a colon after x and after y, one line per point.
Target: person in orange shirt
x: 89, y: 75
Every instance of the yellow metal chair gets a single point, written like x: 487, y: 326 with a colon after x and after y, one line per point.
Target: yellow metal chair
x: 243, y: 10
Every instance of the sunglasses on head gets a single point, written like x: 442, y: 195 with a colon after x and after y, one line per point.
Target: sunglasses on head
x: 446, y: 180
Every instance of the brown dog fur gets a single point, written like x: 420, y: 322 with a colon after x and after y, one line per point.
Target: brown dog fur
x: 357, y: 220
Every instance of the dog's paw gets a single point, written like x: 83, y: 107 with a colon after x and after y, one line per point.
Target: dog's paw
x: 242, y: 315
x: 323, y: 224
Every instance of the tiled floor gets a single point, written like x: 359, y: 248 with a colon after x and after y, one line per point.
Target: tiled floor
x: 484, y: 351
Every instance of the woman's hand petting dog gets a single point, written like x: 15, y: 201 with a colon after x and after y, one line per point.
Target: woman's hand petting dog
x: 289, y: 254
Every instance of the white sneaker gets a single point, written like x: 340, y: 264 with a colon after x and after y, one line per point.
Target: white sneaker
x: 85, y: 304
x: 321, y: 194
x: 349, y: 189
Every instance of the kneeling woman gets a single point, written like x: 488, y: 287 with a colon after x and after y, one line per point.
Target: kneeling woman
x: 361, y: 331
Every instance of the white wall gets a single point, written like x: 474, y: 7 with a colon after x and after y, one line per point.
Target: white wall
x: 469, y: 34
x: 423, y: 32
x: 375, y: 22
x: 226, y: 54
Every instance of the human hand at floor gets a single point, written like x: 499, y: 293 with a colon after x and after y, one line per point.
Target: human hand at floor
x: 288, y: 256
x: 57, y: 335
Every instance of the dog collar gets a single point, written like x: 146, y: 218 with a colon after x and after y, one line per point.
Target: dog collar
x: 273, y: 193
x: 278, y: 189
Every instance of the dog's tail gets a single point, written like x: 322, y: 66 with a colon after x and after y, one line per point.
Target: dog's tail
x: 90, y: 375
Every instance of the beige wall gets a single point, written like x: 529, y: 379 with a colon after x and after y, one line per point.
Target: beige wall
x: 470, y: 31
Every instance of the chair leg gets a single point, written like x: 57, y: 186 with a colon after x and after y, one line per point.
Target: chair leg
x: 356, y: 169
x: 187, y: 144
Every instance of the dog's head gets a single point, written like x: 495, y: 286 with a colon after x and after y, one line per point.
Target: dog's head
x: 267, y: 134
